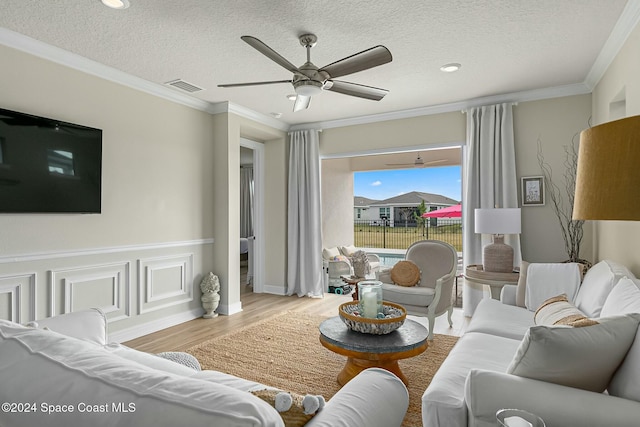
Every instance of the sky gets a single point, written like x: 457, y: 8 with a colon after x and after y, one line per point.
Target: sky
x: 379, y: 185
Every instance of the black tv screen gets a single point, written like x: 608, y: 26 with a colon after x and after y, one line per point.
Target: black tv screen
x: 48, y: 166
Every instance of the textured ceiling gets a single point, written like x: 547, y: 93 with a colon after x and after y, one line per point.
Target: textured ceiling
x: 504, y: 46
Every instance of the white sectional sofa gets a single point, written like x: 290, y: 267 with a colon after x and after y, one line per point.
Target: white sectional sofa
x: 559, y: 373
x: 64, y: 373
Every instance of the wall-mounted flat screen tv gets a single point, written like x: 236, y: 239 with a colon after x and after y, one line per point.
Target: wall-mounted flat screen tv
x: 48, y: 166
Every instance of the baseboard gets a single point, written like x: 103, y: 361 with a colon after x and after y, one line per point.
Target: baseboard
x: 154, y: 326
x: 229, y: 310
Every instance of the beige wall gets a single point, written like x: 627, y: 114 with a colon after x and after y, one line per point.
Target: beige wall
x: 170, y: 206
x: 146, y: 252
x: 616, y: 240
x: 337, y: 202
x: 555, y: 122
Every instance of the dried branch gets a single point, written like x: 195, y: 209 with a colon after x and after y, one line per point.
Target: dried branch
x: 572, y: 231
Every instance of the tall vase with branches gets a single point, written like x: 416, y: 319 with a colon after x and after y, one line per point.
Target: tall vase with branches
x: 572, y: 231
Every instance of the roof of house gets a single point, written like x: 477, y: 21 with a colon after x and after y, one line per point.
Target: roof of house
x: 415, y: 198
x: 363, y: 201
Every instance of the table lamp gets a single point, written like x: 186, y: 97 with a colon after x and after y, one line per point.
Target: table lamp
x: 608, y: 176
x: 497, y: 257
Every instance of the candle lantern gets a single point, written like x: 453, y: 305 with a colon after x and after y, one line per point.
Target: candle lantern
x: 370, y: 298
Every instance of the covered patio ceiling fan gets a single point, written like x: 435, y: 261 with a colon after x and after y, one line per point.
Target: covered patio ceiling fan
x: 417, y: 163
x: 309, y: 80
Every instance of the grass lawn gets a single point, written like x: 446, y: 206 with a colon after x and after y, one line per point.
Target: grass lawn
x: 371, y: 236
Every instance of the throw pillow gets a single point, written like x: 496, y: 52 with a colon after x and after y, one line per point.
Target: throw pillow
x: 624, y: 298
x: 329, y: 253
x: 405, y: 273
x: 584, y: 358
x: 348, y: 250
x: 559, y: 311
x: 296, y: 410
x: 597, y: 284
x: 521, y: 290
x: 341, y: 258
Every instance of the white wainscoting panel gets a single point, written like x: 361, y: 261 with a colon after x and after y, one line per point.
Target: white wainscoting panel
x: 106, y: 286
x: 12, y: 287
x: 164, y: 281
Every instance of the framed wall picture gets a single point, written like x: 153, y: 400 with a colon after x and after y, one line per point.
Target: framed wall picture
x: 533, y: 191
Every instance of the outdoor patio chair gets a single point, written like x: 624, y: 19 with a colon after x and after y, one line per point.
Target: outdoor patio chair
x: 437, y: 263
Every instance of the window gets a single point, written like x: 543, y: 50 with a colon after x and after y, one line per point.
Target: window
x: 384, y: 212
x: 358, y: 213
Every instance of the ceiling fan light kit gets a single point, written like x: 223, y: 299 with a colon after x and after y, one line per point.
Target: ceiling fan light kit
x: 116, y: 4
x: 309, y: 80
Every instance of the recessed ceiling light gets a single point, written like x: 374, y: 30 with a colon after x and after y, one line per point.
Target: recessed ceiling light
x: 292, y: 97
x: 450, y: 68
x: 116, y: 4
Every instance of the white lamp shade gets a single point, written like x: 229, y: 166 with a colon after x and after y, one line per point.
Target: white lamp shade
x: 498, y: 221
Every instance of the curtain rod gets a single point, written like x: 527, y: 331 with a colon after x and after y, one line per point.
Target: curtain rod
x: 467, y: 110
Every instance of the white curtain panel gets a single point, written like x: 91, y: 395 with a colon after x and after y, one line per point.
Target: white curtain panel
x: 246, y: 201
x: 490, y: 181
x: 304, y: 260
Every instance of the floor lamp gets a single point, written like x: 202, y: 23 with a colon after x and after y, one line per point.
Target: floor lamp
x: 608, y: 176
x: 497, y: 257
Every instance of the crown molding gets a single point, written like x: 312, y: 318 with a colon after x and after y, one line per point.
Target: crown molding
x: 627, y: 22
x: 514, y: 97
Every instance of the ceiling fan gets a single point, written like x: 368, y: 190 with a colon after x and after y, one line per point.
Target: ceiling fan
x: 417, y: 163
x: 309, y: 80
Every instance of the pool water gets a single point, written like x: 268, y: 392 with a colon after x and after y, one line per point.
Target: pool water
x: 389, y: 260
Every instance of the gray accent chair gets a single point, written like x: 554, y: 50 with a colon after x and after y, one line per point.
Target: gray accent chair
x: 431, y: 297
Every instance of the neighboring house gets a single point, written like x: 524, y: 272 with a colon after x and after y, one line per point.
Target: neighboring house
x: 399, y: 210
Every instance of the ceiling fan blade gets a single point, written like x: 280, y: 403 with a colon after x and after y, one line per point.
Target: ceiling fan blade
x: 270, y: 53
x: 364, y: 60
x: 302, y: 103
x: 255, y: 83
x: 354, y: 89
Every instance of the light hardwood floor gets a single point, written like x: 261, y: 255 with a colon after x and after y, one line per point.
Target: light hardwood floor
x: 256, y: 307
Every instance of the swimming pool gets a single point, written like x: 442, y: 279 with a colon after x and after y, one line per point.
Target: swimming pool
x: 389, y: 259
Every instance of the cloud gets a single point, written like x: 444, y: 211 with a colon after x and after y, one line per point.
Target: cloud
x: 376, y: 183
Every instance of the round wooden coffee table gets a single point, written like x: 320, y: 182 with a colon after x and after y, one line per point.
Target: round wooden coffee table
x: 368, y: 351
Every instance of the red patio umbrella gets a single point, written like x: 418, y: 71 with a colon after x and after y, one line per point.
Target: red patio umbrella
x: 454, y: 211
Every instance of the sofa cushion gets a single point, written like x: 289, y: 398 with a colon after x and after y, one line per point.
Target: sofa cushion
x: 67, y: 371
x: 414, y: 295
x: 545, y: 280
x: 623, y: 298
x: 330, y: 253
x: 626, y: 381
x: 559, y: 311
x: 443, y: 401
x: 596, y: 285
x: 86, y: 325
x: 493, y: 317
x: 583, y: 358
x: 149, y: 360
x: 348, y: 250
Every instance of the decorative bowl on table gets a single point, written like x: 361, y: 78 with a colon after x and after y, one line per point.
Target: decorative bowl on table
x: 391, y: 318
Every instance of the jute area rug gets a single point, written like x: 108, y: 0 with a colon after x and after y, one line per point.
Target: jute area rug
x: 285, y: 352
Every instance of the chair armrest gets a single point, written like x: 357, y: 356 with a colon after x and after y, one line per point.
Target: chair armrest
x: 486, y: 392
x: 338, y: 268
x: 508, y: 294
x: 373, y: 257
x: 374, y: 398
x: 87, y: 325
x: 384, y: 275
